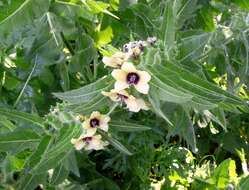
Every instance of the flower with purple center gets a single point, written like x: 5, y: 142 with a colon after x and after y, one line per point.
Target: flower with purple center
x: 96, y: 121
x: 128, y: 76
x: 133, y: 104
x: 89, y: 142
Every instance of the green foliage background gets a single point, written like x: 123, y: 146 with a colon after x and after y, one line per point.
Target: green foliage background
x: 194, y: 137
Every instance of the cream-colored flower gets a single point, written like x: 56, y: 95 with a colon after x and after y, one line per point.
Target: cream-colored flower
x: 116, y: 95
x: 141, y: 104
x: 95, y: 121
x: 89, y: 142
x: 133, y: 104
x: 136, y: 104
x: 128, y: 75
x: 116, y: 60
x: 134, y: 53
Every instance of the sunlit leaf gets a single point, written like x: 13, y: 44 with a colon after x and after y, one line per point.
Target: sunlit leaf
x: 224, y: 174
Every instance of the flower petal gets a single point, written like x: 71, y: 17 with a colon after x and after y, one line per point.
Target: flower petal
x: 78, y: 143
x: 96, y: 143
x: 128, y: 67
x: 119, y: 85
x: 132, y: 105
x: 91, y: 131
x: 112, y: 95
x: 98, y: 137
x: 119, y: 55
x: 104, y: 122
x: 95, y: 146
x: 141, y: 103
x: 86, y: 124
x: 95, y: 114
x: 73, y: 140
x: 144, y: 76
x: 104, y: 127
x: 106, y: 118
x: 123, y: 92
x: 142, y: 88
x: 119, y: 75
x: 109, y: 62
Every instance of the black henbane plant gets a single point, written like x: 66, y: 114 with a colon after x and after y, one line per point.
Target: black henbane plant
x: 126, y: 76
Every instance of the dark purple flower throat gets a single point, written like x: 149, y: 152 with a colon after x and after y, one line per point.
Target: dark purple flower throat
x: 132, y: 78
x: 87, y: 139
x: 94, y: 122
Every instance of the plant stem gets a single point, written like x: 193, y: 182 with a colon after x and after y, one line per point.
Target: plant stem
x: 95, y: 68
x: 26, y: 83
x: 52, y: 28
x: 112, y: 109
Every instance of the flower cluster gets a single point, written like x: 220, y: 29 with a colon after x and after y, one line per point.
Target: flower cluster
x: 89, y: 139
x: 126, y: 75
x: 131, y: 51
x: 135, y: 48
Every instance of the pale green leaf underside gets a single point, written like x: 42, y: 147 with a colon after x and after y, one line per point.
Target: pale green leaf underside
x: 16, y: 115
x: 128, y: 126
x: 24, y: 15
